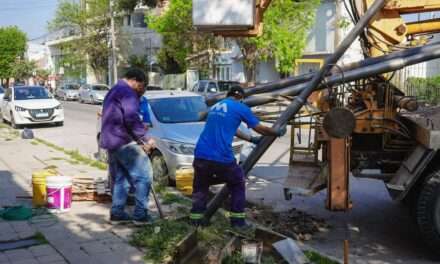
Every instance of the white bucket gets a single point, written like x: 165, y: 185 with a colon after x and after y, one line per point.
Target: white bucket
x: 59, y: 193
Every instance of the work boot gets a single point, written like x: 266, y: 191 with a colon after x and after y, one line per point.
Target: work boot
x: 120, y: 219
x: 246, y: 229
x: 147, y: 219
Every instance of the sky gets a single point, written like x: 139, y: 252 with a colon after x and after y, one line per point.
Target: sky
x: 30, y: 16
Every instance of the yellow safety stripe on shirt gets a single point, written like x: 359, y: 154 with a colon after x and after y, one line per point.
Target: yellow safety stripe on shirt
x: 195, y: 216
x: 237, y: 215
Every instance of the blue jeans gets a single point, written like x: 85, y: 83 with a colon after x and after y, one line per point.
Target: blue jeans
x: 130, y: 164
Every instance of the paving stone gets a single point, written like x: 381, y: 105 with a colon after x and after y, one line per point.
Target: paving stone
x: 5, y: 226
x: 108, y: 258
x: 123, y: 248
x: 42, y: 250
x: 50, y: 258
x: 18, y: 254
x: 77, y: 256
x: 8, y: 236
x: 25, y: 261
x: 21, y: 226
x: 95, y: 247
x: 26, y: 234
x: 3, y: 258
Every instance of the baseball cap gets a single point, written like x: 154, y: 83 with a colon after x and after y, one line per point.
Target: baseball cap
x: 236, y: 90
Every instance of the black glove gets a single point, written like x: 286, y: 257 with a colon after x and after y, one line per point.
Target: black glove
x: 255, y: 140
x: 281, y: 131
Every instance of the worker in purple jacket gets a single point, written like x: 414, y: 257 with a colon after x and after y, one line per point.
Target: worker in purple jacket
x: 124, y: 136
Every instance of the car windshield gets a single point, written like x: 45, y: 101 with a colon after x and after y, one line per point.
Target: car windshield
x: 28, y: 93
x: 99, y: 88
x: 178, y: 110
x: 225, y: 86
x: 72, y: 87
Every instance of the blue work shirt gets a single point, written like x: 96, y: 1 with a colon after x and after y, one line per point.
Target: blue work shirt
x: 145, y: 114
x: 121, y: 123
x: 224, y: 118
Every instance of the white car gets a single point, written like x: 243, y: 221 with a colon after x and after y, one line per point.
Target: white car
x: 27, y: 105
x: 93, y: 93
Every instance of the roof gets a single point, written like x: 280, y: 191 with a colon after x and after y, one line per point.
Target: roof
x: 169, y: 94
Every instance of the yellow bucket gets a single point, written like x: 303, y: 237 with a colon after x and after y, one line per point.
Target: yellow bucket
x: 39, y: 186
x: 184, y: 181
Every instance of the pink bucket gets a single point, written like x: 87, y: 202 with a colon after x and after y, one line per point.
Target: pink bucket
x: 59, y: 193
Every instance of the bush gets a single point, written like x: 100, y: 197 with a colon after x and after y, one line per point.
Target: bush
x: 426, y: 89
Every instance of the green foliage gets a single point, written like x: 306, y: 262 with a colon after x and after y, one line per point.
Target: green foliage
x: 318, y: 259
x: 178, y: 35
x: 161, y: 238
x: 286, y: 26
x: 12, y: 47
x: 426, y: 89
x: 23, y: 69
x: 92, y: 25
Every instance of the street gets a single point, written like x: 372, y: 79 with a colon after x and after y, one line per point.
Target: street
x: 79, y: 130
x: 379, y: 229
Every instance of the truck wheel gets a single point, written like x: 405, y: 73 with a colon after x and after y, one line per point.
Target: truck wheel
x: 160, y: 170
x: 428, y: 211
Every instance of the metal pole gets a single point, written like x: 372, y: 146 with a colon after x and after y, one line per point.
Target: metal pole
x: 113, y: 39
x: 275, y: 86
x: 298, y: 102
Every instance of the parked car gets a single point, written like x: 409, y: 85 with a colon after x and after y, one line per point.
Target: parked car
x: 206, y: 87
x: 176, y: 127
x: 2, y: 92
x: 68, y: 92
x: 93, y: 93
x: 25, y: 105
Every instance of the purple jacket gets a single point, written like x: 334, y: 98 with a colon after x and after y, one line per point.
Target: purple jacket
x: 121, y: 123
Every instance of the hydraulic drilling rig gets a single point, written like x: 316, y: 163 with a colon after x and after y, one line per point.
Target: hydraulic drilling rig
x: 358, y: 120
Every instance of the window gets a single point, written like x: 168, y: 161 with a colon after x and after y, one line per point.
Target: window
x: 202, y: 86
x: 212, y: 87
x: 139, y: 20
x: 223, y: 73
x: 178, y: 110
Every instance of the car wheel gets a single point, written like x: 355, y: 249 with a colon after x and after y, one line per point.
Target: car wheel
x: 160, y: 169
x: 428, y: 211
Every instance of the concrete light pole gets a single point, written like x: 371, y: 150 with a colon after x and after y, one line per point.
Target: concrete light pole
x: 113, y: 40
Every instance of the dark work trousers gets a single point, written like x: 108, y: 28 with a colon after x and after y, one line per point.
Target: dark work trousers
x: 208, y: 173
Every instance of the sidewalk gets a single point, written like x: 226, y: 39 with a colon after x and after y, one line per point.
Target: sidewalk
x: 82, y: 235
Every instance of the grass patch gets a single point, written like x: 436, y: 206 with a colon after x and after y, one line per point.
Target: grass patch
x: 161, y: 238
x: 171, y: 198
x: 75, y: 156
x: 34, y: 142
x: 318, y: 259
x: 40, y: 238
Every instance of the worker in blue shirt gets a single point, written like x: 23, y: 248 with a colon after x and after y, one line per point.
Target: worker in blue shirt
x: 214, y: 159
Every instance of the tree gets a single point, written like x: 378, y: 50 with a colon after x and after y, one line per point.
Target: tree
x: 178, y: 35
x: 12, y: 47
x: 92, y: 23
x: 286, y: 24
x: 23, y: 69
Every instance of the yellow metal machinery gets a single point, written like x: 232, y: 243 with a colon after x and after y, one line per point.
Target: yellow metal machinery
x: 370, y: 109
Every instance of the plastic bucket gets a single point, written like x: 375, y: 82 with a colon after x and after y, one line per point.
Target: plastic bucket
x: 39, y: 186
x: 184, y: 181
x: 59, y: 193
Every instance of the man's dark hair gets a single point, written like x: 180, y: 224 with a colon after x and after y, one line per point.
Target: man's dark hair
x: 235, y: 90
x: 135, y: 74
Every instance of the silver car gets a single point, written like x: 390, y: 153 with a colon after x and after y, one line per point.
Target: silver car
x: 175, y: 126
x: 68, y: 92
x: 93, y: 93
